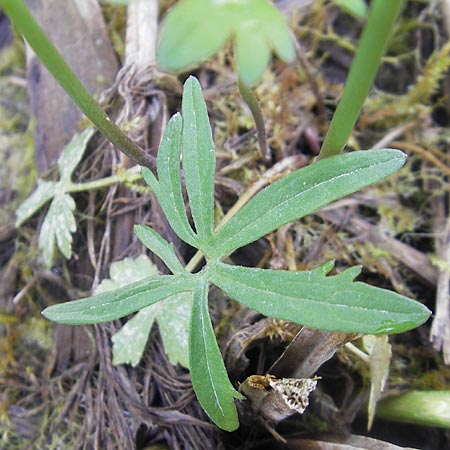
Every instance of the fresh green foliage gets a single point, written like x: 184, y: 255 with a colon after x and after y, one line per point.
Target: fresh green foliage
x: 59, y: 223
x: 429, y: 408
x: 328, y: 303
x: 372, y: 45
x: 196, y: 29
x: 356, y: 8
x: 172, y: 314
x: 311, y: 298
x: 208, y: 373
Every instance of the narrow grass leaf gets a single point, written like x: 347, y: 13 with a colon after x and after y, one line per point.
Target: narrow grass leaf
x: 119, y: 303
x: 303, y: 192
x: 198, y: 158
x: 159, y: 246
x: 334, y: 303
x: 209, y: 376
x: 168, y: 188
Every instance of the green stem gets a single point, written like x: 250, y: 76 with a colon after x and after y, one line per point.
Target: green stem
x: 252, y: 102
x: 25, y: 24
x: 373, y: 42
x: 127, y: 176
x: 431, y: 408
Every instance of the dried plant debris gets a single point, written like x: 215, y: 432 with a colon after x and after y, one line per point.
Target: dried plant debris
x: 275, y: 399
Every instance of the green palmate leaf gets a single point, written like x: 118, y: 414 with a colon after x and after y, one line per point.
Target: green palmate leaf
x: 168, y: 188
x: 72, y: 154
x: 119, y: 303
x: 251, y: 57
x: 44, y: 192
x: 257, y: 37
x: 192, y: 31
x: 196, y: 29
x: 58, y: 226
x: 198, y: 158
x: 334, y: 303
x: 172, y: 315
x: 303, y: 192
x: 59, y: 223
x: 160, y: 247
x: 209, y: 376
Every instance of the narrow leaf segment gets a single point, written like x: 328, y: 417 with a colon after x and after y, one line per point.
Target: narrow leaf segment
x: 120, y: 302
x: 303, y: 192
x: 168, y: 188
x: 199, y: 158
x: 310, y: 298
x: 209, y: 376
x: 159, y: 246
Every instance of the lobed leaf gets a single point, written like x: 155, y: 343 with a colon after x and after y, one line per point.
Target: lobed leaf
x: 172, y: 315
x: 159, y: 246
x: 58, y: 226
x: 252, y: 53
x: 119, y: 303
x: 192, y: 30
x: 196, y: 29
x: 303, y: 192
x: 72, y: 154
x: 334, y: 303
x: 261, y: 29
x: 168, y: 188
x: 208, y: 374
x: 42, y: 194
x: 198, y: 158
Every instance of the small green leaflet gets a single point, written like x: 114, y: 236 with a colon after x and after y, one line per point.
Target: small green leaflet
x: 169, y: 185
x: 199, y: 159
x: 196, y: 29
x: 58, y: 226
x: 172, y: 315
x: 59, y: 223
x: 208, y: 373
x: 41, y: 195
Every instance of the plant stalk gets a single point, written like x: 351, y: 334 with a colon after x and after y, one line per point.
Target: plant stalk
x: 373, y: 42
x: 252, y: 102
x: 25, y: 24
x: 130, y: 175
